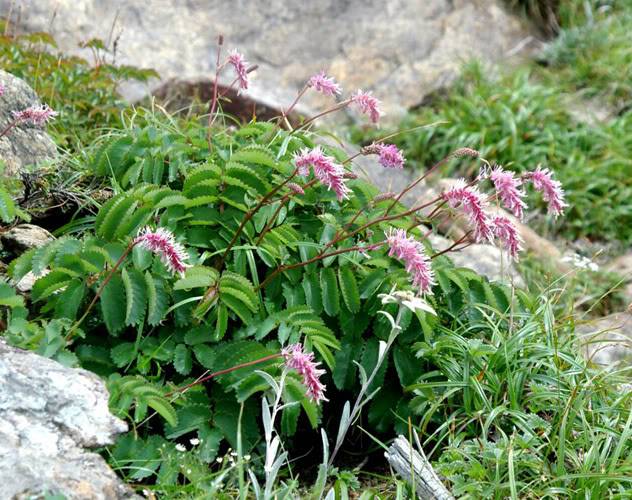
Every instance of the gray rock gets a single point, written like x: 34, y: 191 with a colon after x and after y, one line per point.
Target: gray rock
x: 48, y: 415
x: 25, y: 145
x: 486, y: 260
x: 25, y: 236
x: 607, y: 341
x: 400, y: 49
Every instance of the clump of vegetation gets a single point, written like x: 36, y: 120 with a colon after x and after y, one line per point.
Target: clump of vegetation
x: 241, y: 274
x: 84, y: 94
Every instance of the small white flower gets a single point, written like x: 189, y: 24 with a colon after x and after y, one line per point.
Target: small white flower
x: 219, y: 460
x: 188, y: 471
x: 246, y: 457
x: 194, y: 441
x: 181, y: 447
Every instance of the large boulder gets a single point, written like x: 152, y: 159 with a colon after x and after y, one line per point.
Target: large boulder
x: 27, y: 144
x: 400, y: 49
x: 48, y: 415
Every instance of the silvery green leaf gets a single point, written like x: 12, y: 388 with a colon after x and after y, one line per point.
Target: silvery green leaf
x: 363, y: 378
x: 255, y: 484
x: 270, y: 380
x: 394, y: 326
x: 331, y: 495
x: 271, y: 453
x: 323, y: 436
x: 288, y: 405
x: 266, y: 417
x: 344, y: 423
x: 381, y: 349
x: 272, y: 474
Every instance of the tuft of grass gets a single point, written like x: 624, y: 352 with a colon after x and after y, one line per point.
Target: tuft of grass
x: 518, y: 413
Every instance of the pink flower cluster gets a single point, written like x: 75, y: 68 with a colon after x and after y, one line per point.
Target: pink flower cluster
x: 304, y: 364
x: 552, y: 192
x: 295, y: 188
x: 507, y: 233
x: 162, y: 242
x: 2, y: 89
x: 238, y: 62
x: 326, y: 170
x: 473, y: 204
x: 324, y: 84
x: 414, y: 256
x: 368, y: 104
x: 508, y: 189
x: 36, y: 115
x: 389, y: 155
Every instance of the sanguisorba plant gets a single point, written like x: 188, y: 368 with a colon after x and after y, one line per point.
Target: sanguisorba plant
x: 222, y: 246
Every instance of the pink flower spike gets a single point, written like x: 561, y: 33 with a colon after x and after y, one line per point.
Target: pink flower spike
x: 414, y: 256
x: 326, y: 170
x: 2, y: 89
x: 292, y: 186
x: 390, y: 156
x: 507, y: 233
x: 320, y: 82
x: 162, y: 242
x: 238, y: 62
x: 474, y: 207
x: 368, y: 104
x: 507, y: 186
x: 551, y: 189
x: 304, y: 364
x: 36, y: 115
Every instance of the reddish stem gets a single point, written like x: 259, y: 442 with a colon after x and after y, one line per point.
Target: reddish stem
x: 101, y: 288
x: 223, y: 372
x: 8, y: 128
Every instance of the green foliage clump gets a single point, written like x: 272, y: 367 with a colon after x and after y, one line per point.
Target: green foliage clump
x: 246, y: 294
x: 85, y: 95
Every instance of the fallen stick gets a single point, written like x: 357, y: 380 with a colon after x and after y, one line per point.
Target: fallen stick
x: 415, y: 468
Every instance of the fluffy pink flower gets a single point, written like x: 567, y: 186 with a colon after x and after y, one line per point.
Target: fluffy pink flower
x: 238, y: 62
x: 414, y: 256
x: 162, y: 242
x: 473, y: 205
x: 508, y: 189
x: 37, y: 115
x: 368, y: 104
x: 507, y: 233
x: 293, y: 186
x: 303, y: 363
x: 551, y: 189
x: 326, y: 170
x: 324, y: 84
x: 390, y: 156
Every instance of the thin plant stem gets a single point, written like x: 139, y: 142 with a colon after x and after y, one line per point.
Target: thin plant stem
x: 250, y: 214
x: 201, y: 380
x: 8, y: 128
x: 316, y: 258
x: 213, y: 104
x: 357, y: 406
x: 101, y: 288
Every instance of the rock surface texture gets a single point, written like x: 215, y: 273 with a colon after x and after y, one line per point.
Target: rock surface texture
x: 400, y: 49
x: 48, y: 415
x: 24, y: 237
x: 26, y: 144
x: 607, y: 341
